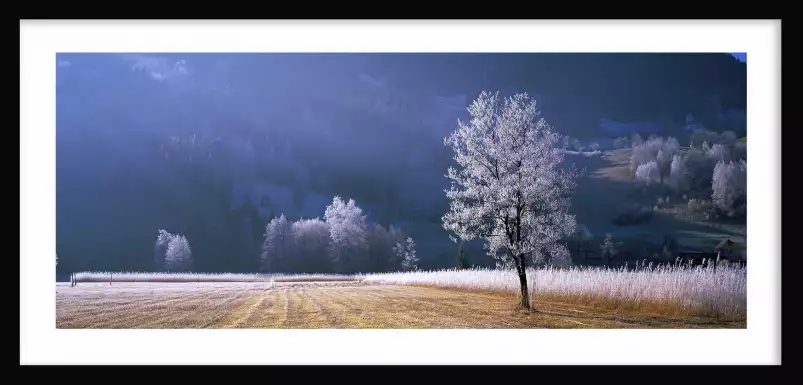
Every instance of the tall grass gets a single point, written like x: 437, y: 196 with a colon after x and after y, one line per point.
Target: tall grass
x: 105, y: 276
x: 670, y: 289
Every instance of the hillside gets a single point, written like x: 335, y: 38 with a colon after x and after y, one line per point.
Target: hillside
x: 607, y: 190
x: 214, y: 146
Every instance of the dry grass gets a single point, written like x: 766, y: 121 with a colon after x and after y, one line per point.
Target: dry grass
x: 670, y: 290
x: 334, y: 305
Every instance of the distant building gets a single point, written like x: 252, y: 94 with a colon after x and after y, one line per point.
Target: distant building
x: 724, y: 250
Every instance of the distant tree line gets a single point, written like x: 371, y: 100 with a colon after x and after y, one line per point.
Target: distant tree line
x: 344, y: 241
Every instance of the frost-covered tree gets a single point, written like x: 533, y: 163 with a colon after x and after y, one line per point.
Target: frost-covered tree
x: 160, y: 248
x: 729, y: 186
x: 347, y: 231
x: 310, y: 239
x: 719, y: 152
x: 558, y: 255
x: 399, y: 252
x: 380, y: 248
x: 655, y: 149
x: 648, y: 172
x: 700, y: 136
x: 410, y: 261
x: 509, y: 189
x: 677, y: 174
x: 699, y: 170
x: 276, y: 245
x: 669, y: 148
x: 608, y: 248
x: 179, y: 255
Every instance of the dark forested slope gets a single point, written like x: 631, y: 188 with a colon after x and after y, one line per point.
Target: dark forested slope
x: 213, y: 146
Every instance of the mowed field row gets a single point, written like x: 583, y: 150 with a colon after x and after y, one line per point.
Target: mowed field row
x: 328, y: 305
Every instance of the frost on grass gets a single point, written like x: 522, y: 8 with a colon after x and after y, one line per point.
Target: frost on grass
x: 703, y: 291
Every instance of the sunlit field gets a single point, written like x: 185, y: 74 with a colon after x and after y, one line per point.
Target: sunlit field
x: 669, y: 296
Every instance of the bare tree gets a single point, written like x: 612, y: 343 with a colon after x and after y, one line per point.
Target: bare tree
x: 510, y: 189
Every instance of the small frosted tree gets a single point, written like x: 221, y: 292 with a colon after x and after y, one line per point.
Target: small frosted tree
x: 399, y: 252
x: 310, y: 239
x: 608, y: 248
x: 462, y: 258
x: 509, y: 189
x: 348, y: 232
x: 699, y: 170
x: 668, y: 149
x: 410, y: 261
x: 657, y: 150
x: 179, y: 255
x: 677, y: 174
x: 163, y: 239
x: 559, y: 256
x: 719, y: 152
x: 648, y: 172
x: 276, y: 245
x: 729, y: 186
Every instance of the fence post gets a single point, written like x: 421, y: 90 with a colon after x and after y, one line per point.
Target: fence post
x: 110, y: 279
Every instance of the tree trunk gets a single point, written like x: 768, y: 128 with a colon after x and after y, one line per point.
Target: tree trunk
x: 525, y: 294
